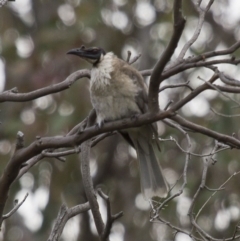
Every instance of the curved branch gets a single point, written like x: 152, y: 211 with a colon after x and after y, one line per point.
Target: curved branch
x: 12, y: 95
x: 89, y: 190
x: 180, y: 66
x: 64, y: 215
x: 18, y: 205
x: 202, y: 13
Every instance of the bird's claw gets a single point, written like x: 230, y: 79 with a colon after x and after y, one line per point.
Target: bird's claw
x: 99, y: 124
x: 134, y: 116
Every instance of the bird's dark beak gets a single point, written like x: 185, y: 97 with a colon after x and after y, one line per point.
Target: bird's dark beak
x: 79, y: 52
x: 90, y: 54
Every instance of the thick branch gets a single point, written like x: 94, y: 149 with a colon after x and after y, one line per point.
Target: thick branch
x: 13, y: 167
x: 88, y: 188
x: 156, y: 77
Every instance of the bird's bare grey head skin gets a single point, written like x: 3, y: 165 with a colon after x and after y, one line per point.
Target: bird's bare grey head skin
x: 93, y: 54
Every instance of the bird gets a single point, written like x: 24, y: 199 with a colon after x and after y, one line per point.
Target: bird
x: 118, y: 91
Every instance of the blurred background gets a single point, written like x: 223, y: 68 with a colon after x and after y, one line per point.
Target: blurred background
x: 34, y: 38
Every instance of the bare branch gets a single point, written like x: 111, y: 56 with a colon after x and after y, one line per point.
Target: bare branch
x: 110, y: 218
x: 30, y: 163
x: 211, y: 54
x: 223, y: 115
x: 17, y: 97
x: 64, y: 215
x: 220, y: 92
x: 20, y: 140
x: 21, y: 156
x: 192, y: 153
x: 128, y: 56
x: 194, y: 93
x: 176, y: 86
x: 135, y: 59
x: 177, y: 229
x: 201, y: 232
x: 190, y: 211
x: 228, y: 89
x: 88, y: 188
x: 235, y: 231
x: 17, y: 206
x: 61, y: 153
x: 228, y: 140
x: 101, y: 137
x: 156, y: 77
x: 228, y: 80
x: 202, y: 14
x: 215, y: 191
x: 181, y: 66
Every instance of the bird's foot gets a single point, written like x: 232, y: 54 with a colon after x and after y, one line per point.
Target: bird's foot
x: 99, y: 124
x: 134, y: 116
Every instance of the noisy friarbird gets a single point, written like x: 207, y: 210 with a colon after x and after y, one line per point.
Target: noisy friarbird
x: 118, y: 91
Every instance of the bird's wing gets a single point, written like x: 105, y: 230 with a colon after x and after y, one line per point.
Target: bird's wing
x: 142, y: 95
x: 136, y: 77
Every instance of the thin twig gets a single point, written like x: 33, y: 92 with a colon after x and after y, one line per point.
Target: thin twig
x: 135, y: 59
x: 228, y: 140
x: 220, y: 188
x: 223, y: 115
x: 11, y: 96
x: 128, y: 56
x: 110, y: 218
x: 202, y: 14
x: 64, y: 215
x: 176, y: 86
x: 228, y: 80
x: 179, y: 104
x: 220, y: 92
x: 177, y: 229
x: 197, y: 193
x: 192, y: 153
x: 17, y: 206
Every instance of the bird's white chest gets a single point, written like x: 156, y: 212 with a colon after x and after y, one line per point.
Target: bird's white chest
x: 111, y: 98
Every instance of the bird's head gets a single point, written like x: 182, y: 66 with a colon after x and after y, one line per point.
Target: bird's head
x: 93, y: 55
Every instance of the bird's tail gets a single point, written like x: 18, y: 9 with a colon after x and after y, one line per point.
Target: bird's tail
x: 152, y: 179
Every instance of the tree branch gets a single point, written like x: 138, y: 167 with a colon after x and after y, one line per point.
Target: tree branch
x: 17, y: 206
x: 64, y: 215
x: 202, y: 13
x: 110, y: 218
x: 228, y: 140
x: 88, y: 188
x: 156, y: 77
x: 13, y: 96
